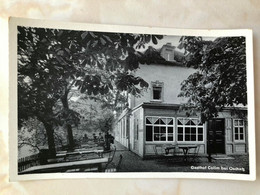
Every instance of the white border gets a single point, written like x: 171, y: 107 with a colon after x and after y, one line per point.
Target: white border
x: 14, y: 22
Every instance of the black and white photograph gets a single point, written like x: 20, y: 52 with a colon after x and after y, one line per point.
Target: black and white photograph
x: 125, y: 102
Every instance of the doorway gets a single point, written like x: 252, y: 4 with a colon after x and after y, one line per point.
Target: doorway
x: 216, y: 136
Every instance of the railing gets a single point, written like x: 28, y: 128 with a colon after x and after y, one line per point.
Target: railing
x: 28, y: 161
x: 37, y: 159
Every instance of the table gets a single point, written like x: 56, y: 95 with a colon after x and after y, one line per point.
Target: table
x: 64, y: 154
x: 186, y: 149
x: 168, y: 148
x: 62, y: 167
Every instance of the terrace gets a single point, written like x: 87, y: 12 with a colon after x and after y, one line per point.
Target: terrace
x: 123, y: 160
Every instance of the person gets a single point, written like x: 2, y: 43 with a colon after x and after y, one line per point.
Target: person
x: 111, y: 139
x: 94, y: 137
x: 85, y: 138
x: 100, y: 137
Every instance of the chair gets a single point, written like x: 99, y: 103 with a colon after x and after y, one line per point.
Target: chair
x: 111, y: 154
x: 114, y: 168
x: 157, y: 150
x: 195, y: 153
x: 167, y: 150
x: 160, y: 150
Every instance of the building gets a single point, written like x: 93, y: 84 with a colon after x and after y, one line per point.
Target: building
x: 155, y: 117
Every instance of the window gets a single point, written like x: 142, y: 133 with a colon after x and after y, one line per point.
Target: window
x: 159, y: 129
x: 189, y: 130
x: 157, y: 91
x: 239, y: 130
x: 168, y: 56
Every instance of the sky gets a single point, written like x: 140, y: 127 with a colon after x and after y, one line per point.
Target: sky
x: 174, y: 40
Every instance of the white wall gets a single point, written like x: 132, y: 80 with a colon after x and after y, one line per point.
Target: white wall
x: 171, y: 76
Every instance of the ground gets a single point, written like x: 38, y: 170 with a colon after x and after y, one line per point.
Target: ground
x: 133, y: 163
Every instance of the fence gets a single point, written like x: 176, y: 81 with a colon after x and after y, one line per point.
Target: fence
x: 28, y: 161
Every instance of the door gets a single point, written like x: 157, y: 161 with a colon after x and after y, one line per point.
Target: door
x: 216, y: 136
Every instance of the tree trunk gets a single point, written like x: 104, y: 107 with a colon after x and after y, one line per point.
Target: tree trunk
x: 64, y: 100
x: 51, y: 143
x: 70, y: 137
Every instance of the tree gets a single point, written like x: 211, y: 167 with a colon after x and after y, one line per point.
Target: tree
x: 220, y: 79
x: 41, y: 78
x: 51, y: 62
x: 33, y: 134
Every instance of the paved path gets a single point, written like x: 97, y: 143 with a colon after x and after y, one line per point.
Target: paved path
x: 120, y: 147
x: 133, y: 163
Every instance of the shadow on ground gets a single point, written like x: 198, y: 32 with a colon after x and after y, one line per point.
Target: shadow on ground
x: 133, y: 163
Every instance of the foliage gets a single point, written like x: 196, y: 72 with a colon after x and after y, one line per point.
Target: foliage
x: 105, y: 121
x: 51, y: 62
x: 220, y: 79
x: 33, y: 134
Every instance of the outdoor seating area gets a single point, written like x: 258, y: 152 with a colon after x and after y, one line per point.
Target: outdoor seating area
x: 181, y: 150
x: 90, y: 157
x: 169, y: 158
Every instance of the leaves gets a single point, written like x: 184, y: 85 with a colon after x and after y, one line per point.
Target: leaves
x: 221, y: 77
x: 51, y: 62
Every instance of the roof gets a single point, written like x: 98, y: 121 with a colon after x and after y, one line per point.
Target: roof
x: 154, y: 56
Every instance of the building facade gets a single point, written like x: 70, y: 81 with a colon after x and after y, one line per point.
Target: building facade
x: 155, y: 118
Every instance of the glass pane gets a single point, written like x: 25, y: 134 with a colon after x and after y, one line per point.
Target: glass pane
x: 236, y: 136
x: 193, y: 130
x: 187, y: 137
x: 170, y: 121
x: 235, y: 122
x: 236, y: 130
x: 156, y: 129
x: 200, y: 130
x: 180, y: 137
x: 193, y: 137
x: 241, y: 130
x: 200, y: 137
x: 170, y: 137
x: 241, y: 122
x: 163, y: 137
x: 195, y: 121
x: 180, y: 130
x: 170, y: 129
x: 163, y: 121
x: 148, y: 120
x: 200, y: 123
x: 187, y: 130
x: 192, y: 123
x: 157, y: 121
x: 154, y: 119
x: 241, y: 136
x: 149, y: 133
x: 180, y: 121
x: 163, y: 129
x: 157, y: 93
x: 187, y: 121
x: 156, y: 137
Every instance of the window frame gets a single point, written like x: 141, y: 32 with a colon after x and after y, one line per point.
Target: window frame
x: 197, y: 126
x: 239, y: 126
x: 157, y: 84
x: 160, y: 125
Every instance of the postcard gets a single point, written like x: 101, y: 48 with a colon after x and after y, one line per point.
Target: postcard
x: 108, y: 101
